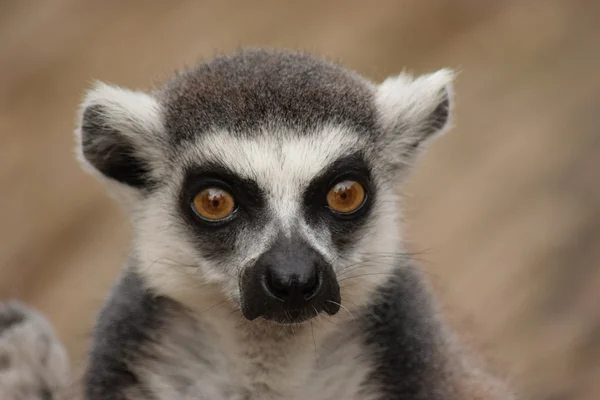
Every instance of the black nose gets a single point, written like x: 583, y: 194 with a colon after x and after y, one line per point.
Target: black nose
x: 290, y: 282
x: 292, y: 287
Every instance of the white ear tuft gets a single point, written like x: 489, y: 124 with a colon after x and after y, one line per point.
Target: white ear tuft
x: 125, y: 110
x: 119, y: 135
x: 414, y: 110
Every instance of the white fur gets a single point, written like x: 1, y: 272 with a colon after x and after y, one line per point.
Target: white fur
x: 282, y: 163
x: 255, y: 361
x: 134, y: 113
x: 409, y: 101
x: 282, y: 167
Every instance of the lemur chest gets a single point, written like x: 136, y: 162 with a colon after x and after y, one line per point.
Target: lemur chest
x: 217, y: 366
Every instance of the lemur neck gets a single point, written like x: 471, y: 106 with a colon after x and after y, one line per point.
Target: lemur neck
x: 225, y: 318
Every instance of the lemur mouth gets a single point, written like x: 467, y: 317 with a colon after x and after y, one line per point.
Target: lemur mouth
x: 290, y: 310
x: 300, y: 315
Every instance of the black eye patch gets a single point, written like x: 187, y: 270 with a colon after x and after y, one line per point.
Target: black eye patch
x: 246, y: 192
x: 349, y: 168
x: 217, y: 240
x: 344, y: 229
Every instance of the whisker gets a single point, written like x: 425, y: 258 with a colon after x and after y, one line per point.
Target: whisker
x: 175, y: 263
x: 338, y: 304
x: 370, y: 274
x: 382, y: 263
x: 214, y: 306
x: 407, y: 253
x: 325, y: 318
x: 312, y: 329
x: 378, y: 259
x: 351, y: 302
x: 233, y: 312
x: 316, y: 319
x: 191, y: 274
x: 364, y: 265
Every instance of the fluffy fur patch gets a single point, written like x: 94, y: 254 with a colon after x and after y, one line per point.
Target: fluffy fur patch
x: 33, y: 362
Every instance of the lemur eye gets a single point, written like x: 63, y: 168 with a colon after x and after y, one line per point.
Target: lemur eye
x: 214, y: 204
x: 346, y: 197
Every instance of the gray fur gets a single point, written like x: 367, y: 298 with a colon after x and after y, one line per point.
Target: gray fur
x: 33, y: 362
x: 244, y: 91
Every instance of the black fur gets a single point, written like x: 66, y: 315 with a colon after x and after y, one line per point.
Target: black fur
x: 345, y: 230
x: 4, y: 362
x: 248, y: 89
x: 400, y: 332
x: 429, y: 127
x: 440, y: 115
x: 9, y: 318
x: 404, y: 337
x: 217, y: 240
x: 129, y: 321
x: 435, y: 121
x: 45, y: 394
x: 110, y: 152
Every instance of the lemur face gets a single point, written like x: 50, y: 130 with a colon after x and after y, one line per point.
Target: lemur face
x: 268, y: 175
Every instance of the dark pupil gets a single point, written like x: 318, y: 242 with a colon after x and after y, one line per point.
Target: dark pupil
x: 215, y: 203
x: 344, y: 195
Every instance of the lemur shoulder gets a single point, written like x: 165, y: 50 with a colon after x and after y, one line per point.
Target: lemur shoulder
x: 267, y: 261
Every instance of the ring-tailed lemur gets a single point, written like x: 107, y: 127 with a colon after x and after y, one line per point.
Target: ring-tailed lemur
x: 267, y: 262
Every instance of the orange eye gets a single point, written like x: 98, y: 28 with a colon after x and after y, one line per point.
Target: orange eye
x: 214, y: 204
x: 346, y: 197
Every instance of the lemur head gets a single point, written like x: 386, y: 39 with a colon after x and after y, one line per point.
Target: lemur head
x: 268, y: 175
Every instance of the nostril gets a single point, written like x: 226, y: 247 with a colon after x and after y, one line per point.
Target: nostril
x: 294, y: 287
x: 312, y: 285
x: 276, y: 286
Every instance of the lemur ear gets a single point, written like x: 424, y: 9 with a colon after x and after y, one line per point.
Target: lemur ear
x: 117, y: 134
x: 413, y: 111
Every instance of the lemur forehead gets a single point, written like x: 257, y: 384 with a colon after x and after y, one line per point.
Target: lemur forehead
x: 290, y: 158
x: 242, y: 92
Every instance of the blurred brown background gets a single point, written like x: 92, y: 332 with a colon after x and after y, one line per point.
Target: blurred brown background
x: 506, y: 208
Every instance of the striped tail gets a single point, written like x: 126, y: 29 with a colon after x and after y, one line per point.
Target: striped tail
x: 33, y: 362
